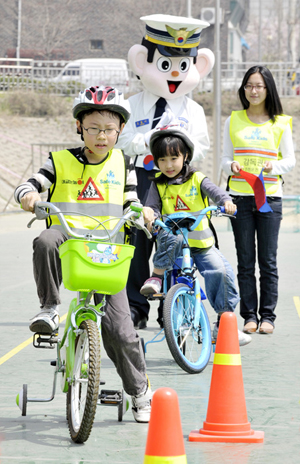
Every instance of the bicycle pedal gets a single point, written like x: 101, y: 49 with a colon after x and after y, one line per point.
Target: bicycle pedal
x: 110, y: 397
x: 156, y: 296
x: 45, y: 341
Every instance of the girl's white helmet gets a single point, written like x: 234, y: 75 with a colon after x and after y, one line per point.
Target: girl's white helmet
x: 101, y: 98
x: 174, y: 130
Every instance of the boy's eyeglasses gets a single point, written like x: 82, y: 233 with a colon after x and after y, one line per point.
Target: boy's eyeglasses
x: 249, y: 87
x: 96, y: 131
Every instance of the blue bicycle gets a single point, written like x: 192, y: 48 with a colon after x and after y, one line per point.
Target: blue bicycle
x: 186, y: 323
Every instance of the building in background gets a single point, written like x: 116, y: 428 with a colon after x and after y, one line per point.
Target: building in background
x: 55, y: 30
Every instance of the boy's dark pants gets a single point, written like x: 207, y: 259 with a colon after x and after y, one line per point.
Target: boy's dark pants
x: 120, y: 339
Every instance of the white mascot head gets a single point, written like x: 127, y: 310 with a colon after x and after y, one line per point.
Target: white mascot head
x: 168, y: 62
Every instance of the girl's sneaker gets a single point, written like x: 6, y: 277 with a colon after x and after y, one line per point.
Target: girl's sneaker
x: 244, y: 339
x: 151, y: 286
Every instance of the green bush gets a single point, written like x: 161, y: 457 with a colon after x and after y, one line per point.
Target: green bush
x: 42, y: 104
x: 32, y: 104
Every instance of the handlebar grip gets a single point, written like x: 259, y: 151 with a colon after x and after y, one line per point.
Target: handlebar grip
x: 137, y: 207
x: 222, y: 209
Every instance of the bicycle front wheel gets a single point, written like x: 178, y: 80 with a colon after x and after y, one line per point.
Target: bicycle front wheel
x: 83, y: 392
x: 189, y: 342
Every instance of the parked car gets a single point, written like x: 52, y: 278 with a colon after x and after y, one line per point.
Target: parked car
x: 96, y: 71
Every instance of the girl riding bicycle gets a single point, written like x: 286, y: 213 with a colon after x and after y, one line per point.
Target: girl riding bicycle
x: 178, y: 187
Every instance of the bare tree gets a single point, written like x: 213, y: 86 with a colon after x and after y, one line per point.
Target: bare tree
x: 293, y: 22
x: 9, y: 22
x: 280, y: 32
x: 51, y: 25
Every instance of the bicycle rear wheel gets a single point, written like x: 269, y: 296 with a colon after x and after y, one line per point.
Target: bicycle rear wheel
x: 83, y: 392
x: 190, y: 346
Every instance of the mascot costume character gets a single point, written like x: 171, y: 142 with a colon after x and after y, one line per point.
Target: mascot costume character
x: 169, y: 65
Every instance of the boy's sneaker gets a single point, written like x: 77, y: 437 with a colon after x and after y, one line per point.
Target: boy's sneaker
x: 151, y: 285
x: 45, y: 322
x: 141, y: 405
x: 244, y: 339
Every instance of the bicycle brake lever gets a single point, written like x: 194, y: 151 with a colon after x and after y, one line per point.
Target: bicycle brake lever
x: 40, y: 214
x: 31, y: 222
x: 232, y: 216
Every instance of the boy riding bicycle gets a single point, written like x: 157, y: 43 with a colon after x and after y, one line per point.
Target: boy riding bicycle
x: 180, y: 187
x: 99, y: 181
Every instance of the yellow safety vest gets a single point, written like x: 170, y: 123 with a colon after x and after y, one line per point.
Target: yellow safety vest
x: 253, y: 144
x: 93, y: 189
x: 187, y: 197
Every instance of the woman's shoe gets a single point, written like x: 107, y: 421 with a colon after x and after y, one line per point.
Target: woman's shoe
x: 250, y: 327
x: 266, y: 328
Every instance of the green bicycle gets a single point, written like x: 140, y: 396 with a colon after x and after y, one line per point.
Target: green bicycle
x: 86, y: 269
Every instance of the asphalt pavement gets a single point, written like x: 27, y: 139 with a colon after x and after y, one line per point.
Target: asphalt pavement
x: 270, y: 366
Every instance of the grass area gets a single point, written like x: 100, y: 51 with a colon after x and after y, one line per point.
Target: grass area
x: 35, y: 104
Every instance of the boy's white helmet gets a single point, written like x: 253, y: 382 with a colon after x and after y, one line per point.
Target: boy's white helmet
x: 101, y: 98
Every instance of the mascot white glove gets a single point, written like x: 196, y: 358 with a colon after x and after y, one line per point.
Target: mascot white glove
x: 167, y: 118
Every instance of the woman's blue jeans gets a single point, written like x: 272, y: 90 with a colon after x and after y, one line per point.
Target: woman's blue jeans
x: 250, y: 228
x: 217, y: 273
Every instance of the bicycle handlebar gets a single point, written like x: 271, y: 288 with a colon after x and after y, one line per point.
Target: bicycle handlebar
x: 134, y: 212
x: 217, y: 210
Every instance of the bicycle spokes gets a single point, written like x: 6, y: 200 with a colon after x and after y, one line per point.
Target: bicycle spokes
x: 189, y: 340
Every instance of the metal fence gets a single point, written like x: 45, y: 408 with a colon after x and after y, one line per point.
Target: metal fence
x: 40, y: 152
x: 8, y: 182
x: 287, y: 77
x: 53, y: 76
x: 42, y: 76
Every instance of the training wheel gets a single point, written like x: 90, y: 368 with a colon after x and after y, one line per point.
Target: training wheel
x: 123, y: 406
x: 21, y: 399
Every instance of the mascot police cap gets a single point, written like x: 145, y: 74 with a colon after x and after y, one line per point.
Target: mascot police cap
x: 174, y: 35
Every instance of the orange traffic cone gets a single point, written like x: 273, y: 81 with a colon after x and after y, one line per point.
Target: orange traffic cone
x: 165, y: 439
x: 226, y: 419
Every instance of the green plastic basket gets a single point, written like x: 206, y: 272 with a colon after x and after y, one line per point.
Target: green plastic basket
x: 90, y: 265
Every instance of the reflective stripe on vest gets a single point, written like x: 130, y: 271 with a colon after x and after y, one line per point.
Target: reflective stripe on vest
x: 187, y: 197
x: 93, y: 189
x: 254, y: 144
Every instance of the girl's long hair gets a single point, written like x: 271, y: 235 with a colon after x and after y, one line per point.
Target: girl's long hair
x: 170, y: 146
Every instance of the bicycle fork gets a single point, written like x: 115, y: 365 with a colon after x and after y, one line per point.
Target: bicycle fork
x: 80, y: 310
x: 191, y: 280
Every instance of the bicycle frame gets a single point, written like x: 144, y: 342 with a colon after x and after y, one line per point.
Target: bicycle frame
x: 185, y: 262
x: 78, y: 350
x: 183, y: 308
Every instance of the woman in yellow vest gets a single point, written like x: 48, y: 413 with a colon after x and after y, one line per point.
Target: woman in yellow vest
x: 255, y: 138
x: 181, y: 188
